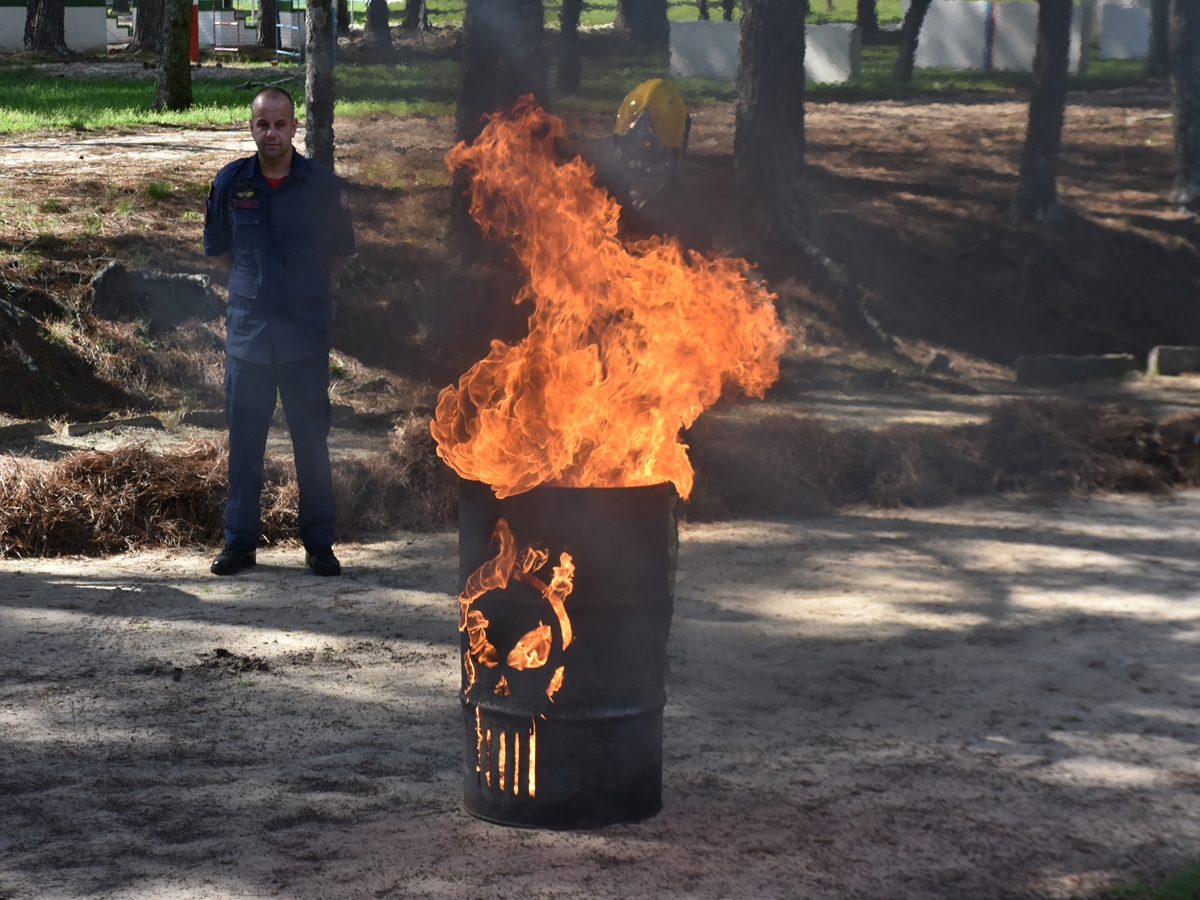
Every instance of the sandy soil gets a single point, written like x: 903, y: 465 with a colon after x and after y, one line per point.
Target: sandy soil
x: 993, y: 700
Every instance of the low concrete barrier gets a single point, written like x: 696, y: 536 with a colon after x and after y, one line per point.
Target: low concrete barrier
x: 1057, y: 369
x: 1173, y: 360
x: 24, y: 430
x: 81, y: 428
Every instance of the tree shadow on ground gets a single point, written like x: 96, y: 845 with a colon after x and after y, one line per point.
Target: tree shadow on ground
x: 1015, y: 716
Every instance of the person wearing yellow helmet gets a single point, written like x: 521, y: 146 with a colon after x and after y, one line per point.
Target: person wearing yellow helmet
x: 650, y: 137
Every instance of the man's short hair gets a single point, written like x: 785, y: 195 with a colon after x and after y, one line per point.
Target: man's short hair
x: 272, y: 90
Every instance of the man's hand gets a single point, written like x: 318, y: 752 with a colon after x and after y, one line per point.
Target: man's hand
x: 224, y: 260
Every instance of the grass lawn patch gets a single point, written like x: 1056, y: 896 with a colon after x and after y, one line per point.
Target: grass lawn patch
x: 31, y: 100
x: 1183, y: 886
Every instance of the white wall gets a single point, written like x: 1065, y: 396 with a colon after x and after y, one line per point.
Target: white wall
x: 85, y: 29
x: 1125, y: 32
x: 228, y: 31
x: 953, y: 35
x: 704, y: 49
x: 12, y: 28
x: 832, y: 53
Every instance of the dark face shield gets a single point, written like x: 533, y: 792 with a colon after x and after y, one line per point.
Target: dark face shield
x: 647, y: 164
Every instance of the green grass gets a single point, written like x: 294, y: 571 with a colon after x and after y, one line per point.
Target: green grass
x: 1184, y: 886
x: 160, y: 190
x: 30, y: 100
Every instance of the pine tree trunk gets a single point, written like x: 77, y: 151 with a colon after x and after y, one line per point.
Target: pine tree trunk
x: 624, y: 15
x: 318, y: 83
x: 768, y: 144
x: 702, y: 8
x: 44, y: 27
x: 175, y: 66
x: 1160, y: 26
x: 868, y: 17
x: 268, y: 21
x: 648, y: 25
x: 570, y: 67
x: 1036, y: 197
x: 343, y: 16
x: 148, y: 29
x: 415, y: 16
x: 910, y: 33
x: 727, y: 9
x: 378, y: 32
x: 503, y: 58
x: 1185, y: 100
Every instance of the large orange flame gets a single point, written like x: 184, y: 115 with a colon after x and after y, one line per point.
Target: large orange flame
x: 628, y: 341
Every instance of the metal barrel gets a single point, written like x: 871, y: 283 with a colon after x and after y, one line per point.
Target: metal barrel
x: 590, y: 754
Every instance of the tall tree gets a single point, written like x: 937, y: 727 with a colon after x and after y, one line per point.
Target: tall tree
x: 910, y: 32
x: 343, y: 16
x: 44, y: 27
x: 503, y: 58
x: 1185, y: 100
x: 416, y: 16
x: 727, y: 9
x: 1036, y: 198
x: 1160, y: 26
x: 175, y: 66
x: 777, y: 213
x: 148, y: 27
x: 702, y: 9
x: 768, y: 143
x: 268, y: 22
x: 318, y: 82
x: 646, y: 21
x: 570, y: 66
x: 378, y: 33
x: 868, y: 17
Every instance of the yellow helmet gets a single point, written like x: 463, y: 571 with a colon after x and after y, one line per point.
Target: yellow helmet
x: 662, y: 102
x: 650, y: 137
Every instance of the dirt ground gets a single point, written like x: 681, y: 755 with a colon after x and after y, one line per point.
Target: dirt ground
x: 993, y: 700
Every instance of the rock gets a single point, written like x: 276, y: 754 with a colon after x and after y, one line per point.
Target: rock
x: 374, y: 386
x: 343, y: 415
x: 1173, y: 360
x: 25, y: 429
x: 204, y: 418
x: 939, y: 365
x: 1056, y: 369
x: 877, y: 379
x: 161, y: 299
x: 80, y: 428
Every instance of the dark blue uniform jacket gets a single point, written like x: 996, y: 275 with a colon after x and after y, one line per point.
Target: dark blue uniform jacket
x: 281, y: 239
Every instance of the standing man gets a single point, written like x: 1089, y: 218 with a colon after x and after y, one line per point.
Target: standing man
x: 280, y: 224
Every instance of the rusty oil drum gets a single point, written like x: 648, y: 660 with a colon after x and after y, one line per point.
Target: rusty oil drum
x: 592, y: 755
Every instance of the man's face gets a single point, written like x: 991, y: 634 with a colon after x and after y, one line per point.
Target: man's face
x: 272, y: 125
